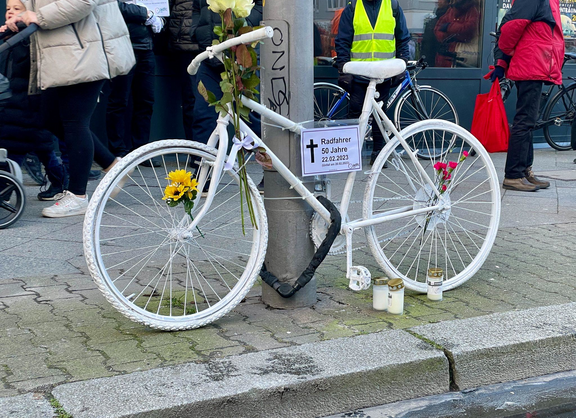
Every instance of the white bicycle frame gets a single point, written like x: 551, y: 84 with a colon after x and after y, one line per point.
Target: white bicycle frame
x: 219, y: 138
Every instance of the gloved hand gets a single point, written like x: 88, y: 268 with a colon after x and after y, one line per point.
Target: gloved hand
x: 157, y: 23
x: 497, y: 73
x: 345, y: 81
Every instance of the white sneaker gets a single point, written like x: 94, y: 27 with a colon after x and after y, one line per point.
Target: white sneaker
x: 118, y: 188
x: 69, y: 205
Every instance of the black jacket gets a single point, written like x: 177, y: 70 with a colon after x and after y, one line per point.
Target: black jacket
x: 343, y: 42
x: 21, y: 109
x: 135, y: 17
x: 204, y: 20
x: 179, y: 25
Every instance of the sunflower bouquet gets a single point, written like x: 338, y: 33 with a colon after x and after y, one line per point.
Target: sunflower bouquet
x: 181, y: 189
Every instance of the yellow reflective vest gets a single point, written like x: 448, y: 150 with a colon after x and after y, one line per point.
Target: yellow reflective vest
x: 373, y: 43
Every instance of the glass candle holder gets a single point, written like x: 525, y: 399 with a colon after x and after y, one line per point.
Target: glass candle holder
x: 396, y: 296
x: 434, y: 279
x: 380, y: 293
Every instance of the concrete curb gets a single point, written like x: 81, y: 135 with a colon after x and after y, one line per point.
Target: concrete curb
x: 30, y: 405
x: 342, y: 374
x: 507, y: 346
x: 302, y: 381
x: 550, y: 394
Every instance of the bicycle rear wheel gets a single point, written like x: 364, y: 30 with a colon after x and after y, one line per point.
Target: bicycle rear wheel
x: 12, y: 199
x: 429, y: 103
x: 457, y: 236
x: 330, y: 102
x: 146, y: 262
x: 559, y: 115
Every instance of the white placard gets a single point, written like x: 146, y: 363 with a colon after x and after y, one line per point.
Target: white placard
x: 331, y: 150
x: 159, y: 7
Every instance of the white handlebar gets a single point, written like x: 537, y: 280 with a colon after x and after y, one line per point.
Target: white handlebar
x: 247, y: 38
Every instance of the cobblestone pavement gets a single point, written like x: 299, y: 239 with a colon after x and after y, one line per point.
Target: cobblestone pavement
x: 58, y: 328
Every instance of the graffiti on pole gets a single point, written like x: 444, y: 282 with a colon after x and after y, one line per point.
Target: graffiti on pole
x: 278, y: 97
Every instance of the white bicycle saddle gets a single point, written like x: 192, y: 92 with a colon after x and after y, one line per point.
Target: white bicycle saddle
x: 376, y: 69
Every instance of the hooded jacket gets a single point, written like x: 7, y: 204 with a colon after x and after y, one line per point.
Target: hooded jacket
x: 530, y: 41
x: 80, y: 41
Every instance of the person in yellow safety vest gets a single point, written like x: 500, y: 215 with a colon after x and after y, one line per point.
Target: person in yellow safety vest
x: 370, y: 30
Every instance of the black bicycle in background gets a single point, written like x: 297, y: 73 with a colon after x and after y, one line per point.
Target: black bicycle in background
x: 413, y: 103
x: 557, y: 110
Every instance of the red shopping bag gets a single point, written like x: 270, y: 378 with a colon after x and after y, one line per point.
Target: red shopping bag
x: 489, y: 123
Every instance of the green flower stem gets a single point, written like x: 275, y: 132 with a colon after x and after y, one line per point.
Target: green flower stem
x: 230, y: 69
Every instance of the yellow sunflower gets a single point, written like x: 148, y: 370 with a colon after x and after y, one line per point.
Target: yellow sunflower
x: 180, y: 177
x: 174, y: 193
x: 193, y: 184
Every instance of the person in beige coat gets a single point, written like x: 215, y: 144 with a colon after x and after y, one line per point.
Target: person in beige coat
x: 80, y: 44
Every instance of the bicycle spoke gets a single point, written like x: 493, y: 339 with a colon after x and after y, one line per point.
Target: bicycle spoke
x: 453, y: 236
x: 147, y: 261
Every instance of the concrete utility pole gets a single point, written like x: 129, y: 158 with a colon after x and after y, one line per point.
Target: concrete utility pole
x: 287, y: 88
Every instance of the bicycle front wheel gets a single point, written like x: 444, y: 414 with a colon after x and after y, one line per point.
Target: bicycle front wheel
x: 458, y: 234
x: 428, y: 103
x: 558, y: 117
x: 146, y: 261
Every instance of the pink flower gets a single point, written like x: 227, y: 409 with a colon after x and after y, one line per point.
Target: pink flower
x: 444, y: 187
x: 440, y: 166
x: 452, y: 164
x: 447, y: 176
x: 465, y: 154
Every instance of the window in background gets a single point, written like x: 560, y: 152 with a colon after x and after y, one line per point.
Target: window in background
x: 326, y: 18
x: 447, y: 33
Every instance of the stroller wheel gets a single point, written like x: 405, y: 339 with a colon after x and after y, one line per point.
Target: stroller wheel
x: 12, y: 199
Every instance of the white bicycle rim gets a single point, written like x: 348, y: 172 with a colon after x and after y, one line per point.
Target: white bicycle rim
x: 141, y: 257
x: 457, y: 238
x: 438, y: 106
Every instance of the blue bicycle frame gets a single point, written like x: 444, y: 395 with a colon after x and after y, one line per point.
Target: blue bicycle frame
x: 406, y: 83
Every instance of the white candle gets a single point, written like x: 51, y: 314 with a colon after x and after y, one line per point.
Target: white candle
x: 396, y: 296
x: 434, y: 279
x: 380, y: 293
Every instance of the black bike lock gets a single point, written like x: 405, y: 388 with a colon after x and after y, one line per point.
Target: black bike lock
x: 284, y: 289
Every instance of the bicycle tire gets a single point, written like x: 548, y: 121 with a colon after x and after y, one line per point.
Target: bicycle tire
x: 457, y: 237
x: 561, y: 109
x: 12, y: 199
x: 326, y: 96
x: 146, y: 263
x: 437, y: 106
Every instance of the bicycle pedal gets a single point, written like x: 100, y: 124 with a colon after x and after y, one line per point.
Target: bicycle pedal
x: 360, y: 278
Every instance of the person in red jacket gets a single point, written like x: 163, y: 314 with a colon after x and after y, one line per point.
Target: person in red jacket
x: 530, y: 51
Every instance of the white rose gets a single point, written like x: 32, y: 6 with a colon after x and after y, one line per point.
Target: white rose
x: 242, y: 8
x: 220, y: 6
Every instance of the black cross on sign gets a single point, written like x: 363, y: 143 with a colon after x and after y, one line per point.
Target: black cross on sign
x: 311, y: 147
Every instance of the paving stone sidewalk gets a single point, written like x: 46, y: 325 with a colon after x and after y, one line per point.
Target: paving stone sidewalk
x: 58, y: 328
